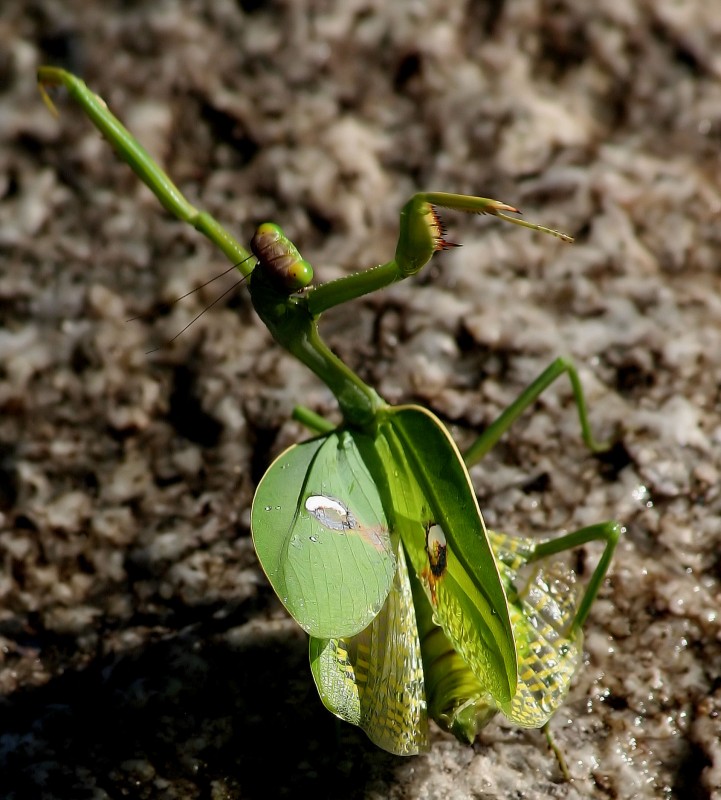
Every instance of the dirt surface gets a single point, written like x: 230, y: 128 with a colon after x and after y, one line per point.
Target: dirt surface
x: 143, y: 653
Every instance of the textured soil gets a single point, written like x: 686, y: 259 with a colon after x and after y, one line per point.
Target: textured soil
x: 142, y: 651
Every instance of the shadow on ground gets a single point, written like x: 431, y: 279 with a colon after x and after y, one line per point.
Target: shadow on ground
x: 185, y: 714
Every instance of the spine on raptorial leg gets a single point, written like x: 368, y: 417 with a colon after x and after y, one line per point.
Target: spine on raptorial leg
x: 421, y: 234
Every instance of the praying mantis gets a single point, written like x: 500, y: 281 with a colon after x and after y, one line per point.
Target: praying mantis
x: 370, y: 532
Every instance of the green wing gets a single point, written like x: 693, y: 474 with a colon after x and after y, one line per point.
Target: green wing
x: 542, y: 608
x: 375, y: 679
x: 321, y: 535
x: 435, y: 511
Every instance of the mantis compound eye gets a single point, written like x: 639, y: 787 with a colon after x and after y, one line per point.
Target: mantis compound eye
x: 279, y: 258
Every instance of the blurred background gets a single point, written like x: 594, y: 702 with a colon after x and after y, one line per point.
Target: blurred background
x: 142, y: 652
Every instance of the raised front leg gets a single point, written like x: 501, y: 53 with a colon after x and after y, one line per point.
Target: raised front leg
x: 130, y: 150
x: 420, y: 235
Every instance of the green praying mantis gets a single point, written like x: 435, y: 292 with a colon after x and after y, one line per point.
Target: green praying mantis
x: 370, y: 533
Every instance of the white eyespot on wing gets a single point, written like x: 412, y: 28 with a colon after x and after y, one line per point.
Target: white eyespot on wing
x: 331, y: 513
x: 436, y: 548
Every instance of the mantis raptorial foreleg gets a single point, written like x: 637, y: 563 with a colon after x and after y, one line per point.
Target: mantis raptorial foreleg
x: 142, y: 163
x: 420, y: 236
x: 421, y: 231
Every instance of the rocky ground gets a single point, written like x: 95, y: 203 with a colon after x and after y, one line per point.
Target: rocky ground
x: 142, y: 651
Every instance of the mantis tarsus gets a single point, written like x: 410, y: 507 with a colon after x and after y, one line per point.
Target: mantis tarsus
x: 370, y: 533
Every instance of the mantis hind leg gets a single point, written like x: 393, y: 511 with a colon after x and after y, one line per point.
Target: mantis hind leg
x: 556, y: 750
x: 502, y: 423
x: 607, y: 532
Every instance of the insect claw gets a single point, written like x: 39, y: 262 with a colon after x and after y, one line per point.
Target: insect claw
x: 499, y: 206
x: 47, y: 99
